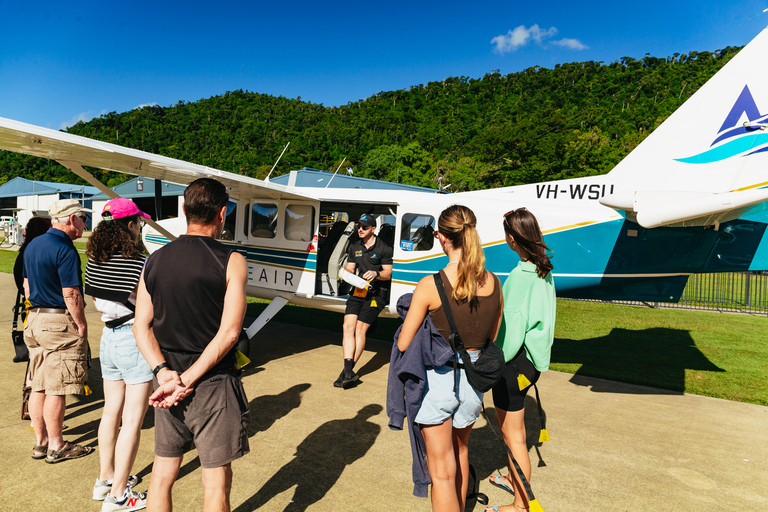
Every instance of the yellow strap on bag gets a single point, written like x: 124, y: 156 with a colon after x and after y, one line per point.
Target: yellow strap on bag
x: 544, y: 436
x: 241, y: 360
x: 523, y: 382
x: 534, y: 506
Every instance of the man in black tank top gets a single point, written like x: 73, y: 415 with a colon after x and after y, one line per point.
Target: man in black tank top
x: 189, y: 315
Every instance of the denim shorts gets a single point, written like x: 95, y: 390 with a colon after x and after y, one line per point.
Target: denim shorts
x: 440, y: 402
x: 120, y: 357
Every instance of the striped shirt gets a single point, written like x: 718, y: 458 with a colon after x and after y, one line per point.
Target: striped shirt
x: 115, y: 279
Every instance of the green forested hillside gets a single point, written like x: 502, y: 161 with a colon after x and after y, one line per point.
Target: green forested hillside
x: 539, y: 124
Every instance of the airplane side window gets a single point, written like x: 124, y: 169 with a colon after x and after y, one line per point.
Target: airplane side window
x: 299, y: 222
x: 228, y: 232
x: 264, y: 220
x: 417, y: 231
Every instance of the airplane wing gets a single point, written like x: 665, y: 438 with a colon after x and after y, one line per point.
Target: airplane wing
x: 73, y: 151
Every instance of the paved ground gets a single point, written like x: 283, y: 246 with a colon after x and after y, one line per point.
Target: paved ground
x: 315, y: 447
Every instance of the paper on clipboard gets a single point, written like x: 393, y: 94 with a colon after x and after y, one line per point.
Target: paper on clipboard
x: 356, y: 281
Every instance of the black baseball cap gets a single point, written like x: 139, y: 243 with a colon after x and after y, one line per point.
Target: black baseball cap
x: 367, y: 220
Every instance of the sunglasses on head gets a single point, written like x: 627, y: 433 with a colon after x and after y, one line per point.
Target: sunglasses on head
x: 506, y: 217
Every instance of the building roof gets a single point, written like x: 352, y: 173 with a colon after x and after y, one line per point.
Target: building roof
x: 19, y: 186
x: 130, y: 189
x: 308, y: 177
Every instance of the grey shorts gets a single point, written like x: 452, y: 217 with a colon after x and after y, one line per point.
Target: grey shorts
x: 215, y: 417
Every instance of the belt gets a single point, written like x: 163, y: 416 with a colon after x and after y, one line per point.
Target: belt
x: 51, y: 311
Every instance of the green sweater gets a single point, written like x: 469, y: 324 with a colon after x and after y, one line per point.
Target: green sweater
x: 529, y: 315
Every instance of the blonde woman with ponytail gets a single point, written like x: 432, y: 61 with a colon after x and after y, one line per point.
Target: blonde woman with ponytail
x: 445, y: 417
x: 526, y: 336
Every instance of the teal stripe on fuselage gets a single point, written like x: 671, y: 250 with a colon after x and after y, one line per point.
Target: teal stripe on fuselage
x: 760, y: 260
x: 585, y: 252
x: 263, y: 255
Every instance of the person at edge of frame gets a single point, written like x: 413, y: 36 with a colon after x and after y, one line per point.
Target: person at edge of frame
x: 189, y: 315
x: 372, y: 259
x: 56, y: 332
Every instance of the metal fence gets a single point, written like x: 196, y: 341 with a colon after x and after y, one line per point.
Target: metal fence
x: 737, y: 292
x: 744, y: 292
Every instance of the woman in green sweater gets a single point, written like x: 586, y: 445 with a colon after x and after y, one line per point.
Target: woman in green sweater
x: 526, y: 335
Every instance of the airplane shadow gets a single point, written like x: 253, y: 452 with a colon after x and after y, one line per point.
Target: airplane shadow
x: 656, y: 357
x: 319, y: 461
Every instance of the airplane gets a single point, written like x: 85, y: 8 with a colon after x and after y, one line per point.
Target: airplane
x: 691, y: 198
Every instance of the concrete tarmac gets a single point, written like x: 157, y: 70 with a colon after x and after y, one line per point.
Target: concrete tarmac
x: 614, y: 447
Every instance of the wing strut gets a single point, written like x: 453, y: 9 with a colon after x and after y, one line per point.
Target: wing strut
x: 266, y: 315
x: 76, y: 168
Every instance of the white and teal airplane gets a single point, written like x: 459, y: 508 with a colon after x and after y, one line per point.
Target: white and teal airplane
x: 691, y: 198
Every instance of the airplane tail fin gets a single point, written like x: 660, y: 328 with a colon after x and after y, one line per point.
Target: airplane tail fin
x: 708, y: 162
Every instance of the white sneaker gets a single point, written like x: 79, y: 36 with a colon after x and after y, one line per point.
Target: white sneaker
x: 130, y: 500
x: 102, y: 487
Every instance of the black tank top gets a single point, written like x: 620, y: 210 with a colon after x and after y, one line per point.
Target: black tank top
x: 187, y: 280
x: 475, y: 320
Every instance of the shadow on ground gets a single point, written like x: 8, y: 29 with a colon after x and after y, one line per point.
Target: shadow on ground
x: 318, y: 462
x: 656, y: 357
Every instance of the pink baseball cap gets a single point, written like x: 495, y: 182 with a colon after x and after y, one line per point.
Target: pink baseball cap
x: 121, y: 207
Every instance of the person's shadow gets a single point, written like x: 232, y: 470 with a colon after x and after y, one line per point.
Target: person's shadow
x: 265, y: 411
x: 656, y: 357
x: 319, y: 461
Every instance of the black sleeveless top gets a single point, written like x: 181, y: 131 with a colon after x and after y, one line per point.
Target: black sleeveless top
x: 475, y: 320
x: 187, y: 280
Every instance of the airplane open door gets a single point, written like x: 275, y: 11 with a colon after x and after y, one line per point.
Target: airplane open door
x: 337, y: 229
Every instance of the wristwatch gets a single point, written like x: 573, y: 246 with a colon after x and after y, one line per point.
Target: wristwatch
x: 160, y: 367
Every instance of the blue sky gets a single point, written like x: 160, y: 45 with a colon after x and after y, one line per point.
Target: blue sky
x: 65, y: 61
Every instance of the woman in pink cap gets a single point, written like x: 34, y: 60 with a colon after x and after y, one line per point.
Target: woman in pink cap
x: 115, y: 261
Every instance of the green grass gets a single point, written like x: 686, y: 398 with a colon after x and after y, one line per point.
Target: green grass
x: 8, y: 258
x: 705, y: 353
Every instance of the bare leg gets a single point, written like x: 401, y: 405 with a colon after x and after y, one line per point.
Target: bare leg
x: 361, y: 329
x: 36, y: 408
x: 164, y: 473
x: 114, y: 395
x: 136, y: 396
x: 443, y: 467
x: 217, y: 484
x: 512, y: 426
x: 461, y: 449
x: 348, y: 342
x: 53, y: 413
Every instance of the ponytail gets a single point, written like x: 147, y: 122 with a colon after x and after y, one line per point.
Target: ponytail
x: 459, y: 225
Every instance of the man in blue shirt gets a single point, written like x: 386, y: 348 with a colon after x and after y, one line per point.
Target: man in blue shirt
x: 56, y: 329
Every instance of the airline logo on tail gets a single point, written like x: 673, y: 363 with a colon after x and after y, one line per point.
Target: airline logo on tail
x: 735, y: 139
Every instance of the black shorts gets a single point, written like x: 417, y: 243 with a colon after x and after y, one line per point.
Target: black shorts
x: 215, y: 418
x: 506, y: 393
x: 366, y: 309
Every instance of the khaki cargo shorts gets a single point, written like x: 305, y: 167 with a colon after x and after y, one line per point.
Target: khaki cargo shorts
x: 58, y: 356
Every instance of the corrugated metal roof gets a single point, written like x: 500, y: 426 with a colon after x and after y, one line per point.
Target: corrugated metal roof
x: 19, y: 186
x: 130, y: 190
x: 308, y: 177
